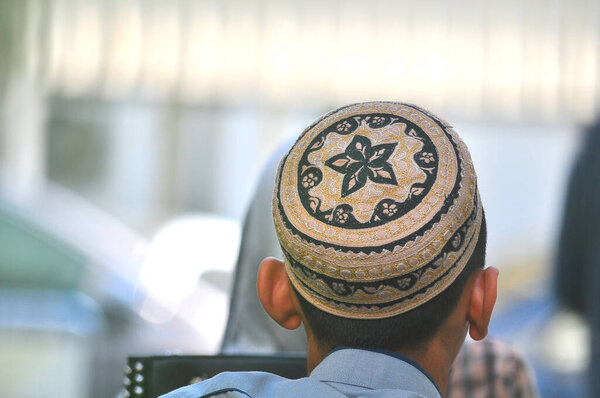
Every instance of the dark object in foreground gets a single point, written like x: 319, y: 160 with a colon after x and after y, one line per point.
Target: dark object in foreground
x: 152, y: 376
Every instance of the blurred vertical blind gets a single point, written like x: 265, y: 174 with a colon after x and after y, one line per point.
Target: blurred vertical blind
x: 510, y: 60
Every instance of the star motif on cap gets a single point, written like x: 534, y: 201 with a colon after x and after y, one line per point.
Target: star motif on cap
x: 362, y: 162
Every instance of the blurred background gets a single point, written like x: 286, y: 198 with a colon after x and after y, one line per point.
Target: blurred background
x: 133, y: 133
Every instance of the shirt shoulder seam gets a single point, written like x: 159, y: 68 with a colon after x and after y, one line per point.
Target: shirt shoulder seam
x: 224, y: 390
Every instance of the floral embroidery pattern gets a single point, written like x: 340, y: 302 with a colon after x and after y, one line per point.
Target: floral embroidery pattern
x: 456, y: 241
x: 343, y: 126
x: 338, y: 287
x: 309, y: 180
x: 341, y: 216
x: 406, y: 282
x: 389, y: 209
x: 361, y: 162
x: 377, y: 121
x: 427, y: 157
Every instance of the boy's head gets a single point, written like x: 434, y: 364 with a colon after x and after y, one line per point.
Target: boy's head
x: 377, y: 211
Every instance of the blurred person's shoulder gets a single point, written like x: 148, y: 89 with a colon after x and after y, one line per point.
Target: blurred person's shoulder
x: 491, y: 368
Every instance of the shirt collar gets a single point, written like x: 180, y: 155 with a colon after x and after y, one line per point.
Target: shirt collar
x: 375, y: 369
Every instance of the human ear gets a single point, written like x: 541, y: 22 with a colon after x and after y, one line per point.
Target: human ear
x: 275, y: 293
x: 482, y: 301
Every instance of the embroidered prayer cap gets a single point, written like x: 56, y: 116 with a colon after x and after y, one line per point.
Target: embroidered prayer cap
x: 376, y: 208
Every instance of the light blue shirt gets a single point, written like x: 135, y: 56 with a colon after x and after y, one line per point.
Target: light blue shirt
x: 345, y: 372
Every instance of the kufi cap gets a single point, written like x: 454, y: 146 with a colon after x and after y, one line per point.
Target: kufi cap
x: 376, y: 209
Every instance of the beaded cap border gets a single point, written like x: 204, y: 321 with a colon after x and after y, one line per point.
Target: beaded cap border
x: 376, y: 209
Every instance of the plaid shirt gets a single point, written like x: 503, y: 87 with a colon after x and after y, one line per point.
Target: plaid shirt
x: 490, y: 369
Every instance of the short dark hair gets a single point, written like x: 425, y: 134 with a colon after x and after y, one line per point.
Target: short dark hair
x: 409, y: 329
